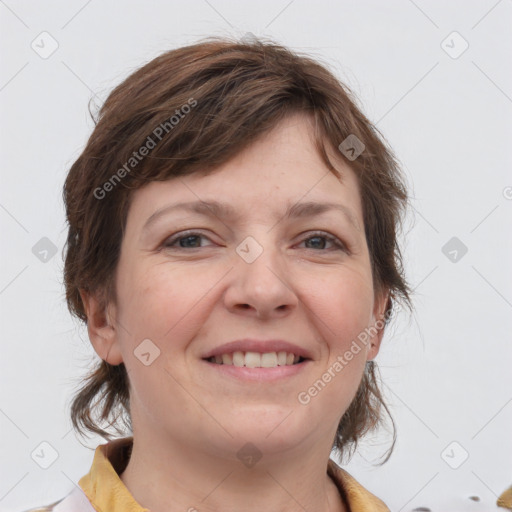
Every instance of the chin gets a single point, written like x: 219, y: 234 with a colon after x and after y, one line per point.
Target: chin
x: 272, y: 428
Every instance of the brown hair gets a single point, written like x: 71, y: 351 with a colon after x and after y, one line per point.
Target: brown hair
x: 201, y: 105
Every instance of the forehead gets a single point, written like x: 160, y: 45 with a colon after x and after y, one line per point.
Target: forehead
x: 279, y: 169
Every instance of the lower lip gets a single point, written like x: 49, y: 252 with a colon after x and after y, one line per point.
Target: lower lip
x: 259, y: 374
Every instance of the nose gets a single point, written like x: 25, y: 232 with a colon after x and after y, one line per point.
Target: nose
x: 262, y: 288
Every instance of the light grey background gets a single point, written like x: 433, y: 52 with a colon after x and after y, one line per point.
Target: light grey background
x: 447, y: 369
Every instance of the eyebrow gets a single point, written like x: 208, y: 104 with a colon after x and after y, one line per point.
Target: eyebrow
x: 226, y: 211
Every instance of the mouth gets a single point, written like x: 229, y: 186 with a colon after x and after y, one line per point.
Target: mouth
x: 257, y: 359
x: 257, y: 367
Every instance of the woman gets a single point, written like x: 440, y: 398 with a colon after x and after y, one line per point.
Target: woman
x: 233, y: 250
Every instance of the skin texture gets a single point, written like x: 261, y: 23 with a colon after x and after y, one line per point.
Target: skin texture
x: 189, y: 421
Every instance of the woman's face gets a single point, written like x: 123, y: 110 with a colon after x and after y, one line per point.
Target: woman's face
x: 189, y: 282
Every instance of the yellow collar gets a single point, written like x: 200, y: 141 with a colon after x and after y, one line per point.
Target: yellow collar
x: 106, y: 491
x: 102, y: 485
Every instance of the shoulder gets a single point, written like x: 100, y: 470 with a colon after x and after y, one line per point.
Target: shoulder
x: 46, y: 508
x: 75, y: 501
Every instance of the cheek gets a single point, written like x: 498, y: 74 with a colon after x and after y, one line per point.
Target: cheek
x: 343, y: 307
x: 165, y: 305
x: 341, y: 315
x: 163, y: 301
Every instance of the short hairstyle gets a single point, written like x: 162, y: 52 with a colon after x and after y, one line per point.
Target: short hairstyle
x: 193, y: 108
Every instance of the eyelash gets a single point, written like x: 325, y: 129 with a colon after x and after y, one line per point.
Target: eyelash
x: 168, y: 243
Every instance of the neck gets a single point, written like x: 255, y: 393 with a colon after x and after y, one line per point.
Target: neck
x: 177, y: 477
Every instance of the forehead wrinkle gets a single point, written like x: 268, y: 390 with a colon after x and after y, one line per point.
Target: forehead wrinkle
x: 226, y: 211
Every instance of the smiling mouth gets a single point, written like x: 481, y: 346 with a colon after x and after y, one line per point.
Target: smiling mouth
x: 257, y: 359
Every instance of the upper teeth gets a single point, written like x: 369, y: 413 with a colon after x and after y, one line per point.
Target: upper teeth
x: 256, y: 359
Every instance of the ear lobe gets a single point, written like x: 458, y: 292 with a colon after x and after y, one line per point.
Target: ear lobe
x: 102, y: 332
x: 378, y: 327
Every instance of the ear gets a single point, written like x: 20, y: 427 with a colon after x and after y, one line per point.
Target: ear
x: 102, y: 332
x: 377, y: 327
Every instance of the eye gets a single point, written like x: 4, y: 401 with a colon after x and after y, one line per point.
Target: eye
x: 192, y: 240
x: 321, y: 239
x: 186, y: 240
